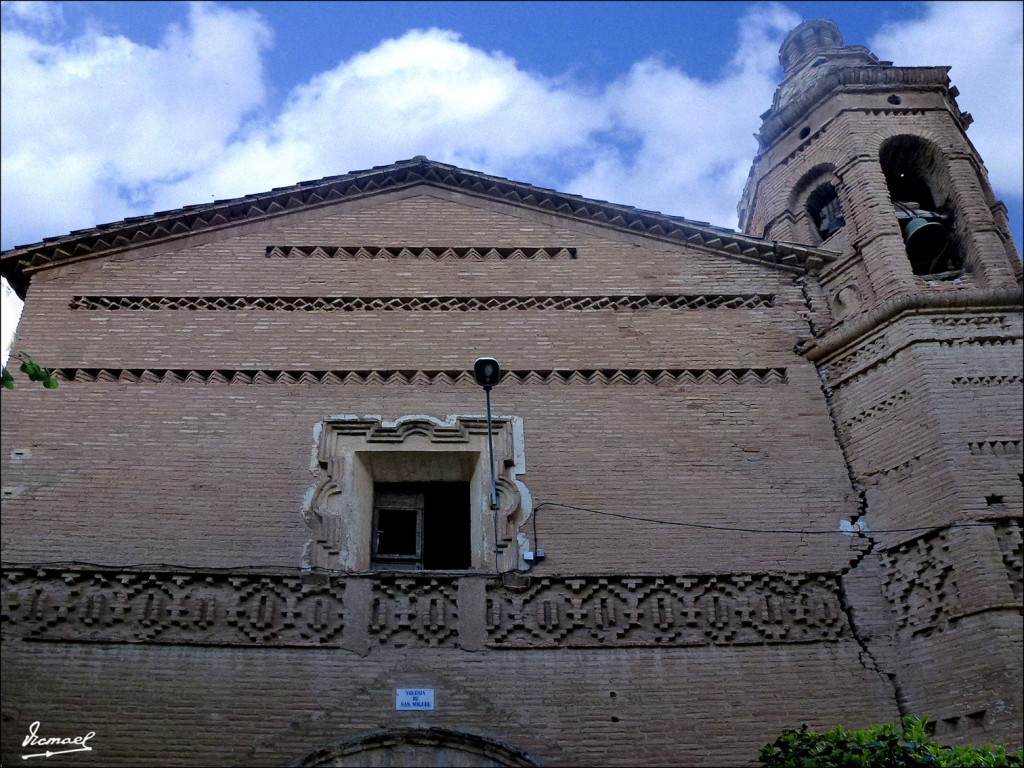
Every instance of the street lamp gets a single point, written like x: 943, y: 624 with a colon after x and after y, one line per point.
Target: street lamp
x: 487, y: 373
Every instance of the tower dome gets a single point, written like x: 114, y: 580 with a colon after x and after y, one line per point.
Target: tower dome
x: 809, y: 38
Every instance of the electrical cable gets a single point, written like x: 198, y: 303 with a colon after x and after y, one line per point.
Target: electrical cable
x: 736, y: 529
x: 289, y: 571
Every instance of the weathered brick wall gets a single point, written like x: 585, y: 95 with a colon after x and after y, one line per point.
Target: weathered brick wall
x: 167, y: 705
x: 211, y: 473
x: 931, y: 417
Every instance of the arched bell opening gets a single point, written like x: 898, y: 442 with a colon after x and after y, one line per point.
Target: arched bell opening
x: 917, y: 182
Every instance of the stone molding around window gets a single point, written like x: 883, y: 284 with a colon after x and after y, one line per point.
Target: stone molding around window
x: 350, y: 453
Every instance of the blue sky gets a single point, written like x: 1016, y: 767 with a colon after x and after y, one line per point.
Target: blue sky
x: 115, y: 109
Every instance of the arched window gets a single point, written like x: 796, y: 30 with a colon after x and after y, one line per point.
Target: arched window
x: 825, y: 211
x: 814, y: 202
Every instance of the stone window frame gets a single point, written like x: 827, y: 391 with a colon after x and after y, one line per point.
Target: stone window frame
x: 350, y: 453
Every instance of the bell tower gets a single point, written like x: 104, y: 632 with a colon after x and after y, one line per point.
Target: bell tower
x: 873, y: 161
x: 915, y: 327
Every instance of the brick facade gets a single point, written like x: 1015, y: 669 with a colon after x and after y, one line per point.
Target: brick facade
x: 160, y: 507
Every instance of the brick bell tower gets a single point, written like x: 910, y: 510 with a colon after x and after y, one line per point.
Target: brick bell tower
x: 915, y: 328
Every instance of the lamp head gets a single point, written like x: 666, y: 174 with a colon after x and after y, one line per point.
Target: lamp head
x: 487, y: 372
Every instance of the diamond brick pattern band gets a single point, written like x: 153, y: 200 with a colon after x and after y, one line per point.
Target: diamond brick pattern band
x: 423, y: 303
x: 216, y: 608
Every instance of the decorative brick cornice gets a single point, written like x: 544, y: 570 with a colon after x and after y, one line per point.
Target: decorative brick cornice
x: 846, y: 333
x: 574, y: 376
x: 422, y: 303
x: 785, y: 115
x: 19, y: 263
x: 194, y: 607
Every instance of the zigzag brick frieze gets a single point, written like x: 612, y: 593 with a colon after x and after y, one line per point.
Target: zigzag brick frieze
x: 986, y: 381
x: 422, y: 303
x: 994, y: 447
x: 673, y: 611
x: 840, y: 367
x: 984, y: 322
x: 876, y: 353
x: 873, y: 477
x: 431, y: 253
x: 114, y: 606
x: 993, y: 342
x: 601, y: 377
x: 879, y: 409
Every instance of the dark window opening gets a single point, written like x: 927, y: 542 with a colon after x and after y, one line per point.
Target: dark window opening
x: 421, y: 526
x: 907, y: 187
x: 993, y: 499
x: 398, y: 533
x: 826, y: 211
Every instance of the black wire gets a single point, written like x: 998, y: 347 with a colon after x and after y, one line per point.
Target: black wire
x: 283, y: 570
x: 289, y: 571
x: 761, y: 530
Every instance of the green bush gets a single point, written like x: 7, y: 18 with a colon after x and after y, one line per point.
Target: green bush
x: 878, y: 746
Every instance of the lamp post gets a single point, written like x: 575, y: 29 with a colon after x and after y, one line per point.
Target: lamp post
x: 487, y: 373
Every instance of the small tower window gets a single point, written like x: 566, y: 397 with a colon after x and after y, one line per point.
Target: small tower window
x: 826, y: 211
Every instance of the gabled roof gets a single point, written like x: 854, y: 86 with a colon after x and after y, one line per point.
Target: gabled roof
x: 19, y: 263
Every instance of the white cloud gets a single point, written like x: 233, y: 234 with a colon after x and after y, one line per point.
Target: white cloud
x: 10, y: 313
x: 694, y: 137
x: 99, y: 127
x: 423, y: 93
x: 657, y: 138
x: 983, y: 43
x: 42, y: 16
x: 90, y: 127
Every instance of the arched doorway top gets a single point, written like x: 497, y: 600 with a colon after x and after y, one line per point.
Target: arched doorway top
x: 417, y: 747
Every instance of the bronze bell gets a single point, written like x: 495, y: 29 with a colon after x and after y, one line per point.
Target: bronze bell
x: 926, y: 243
